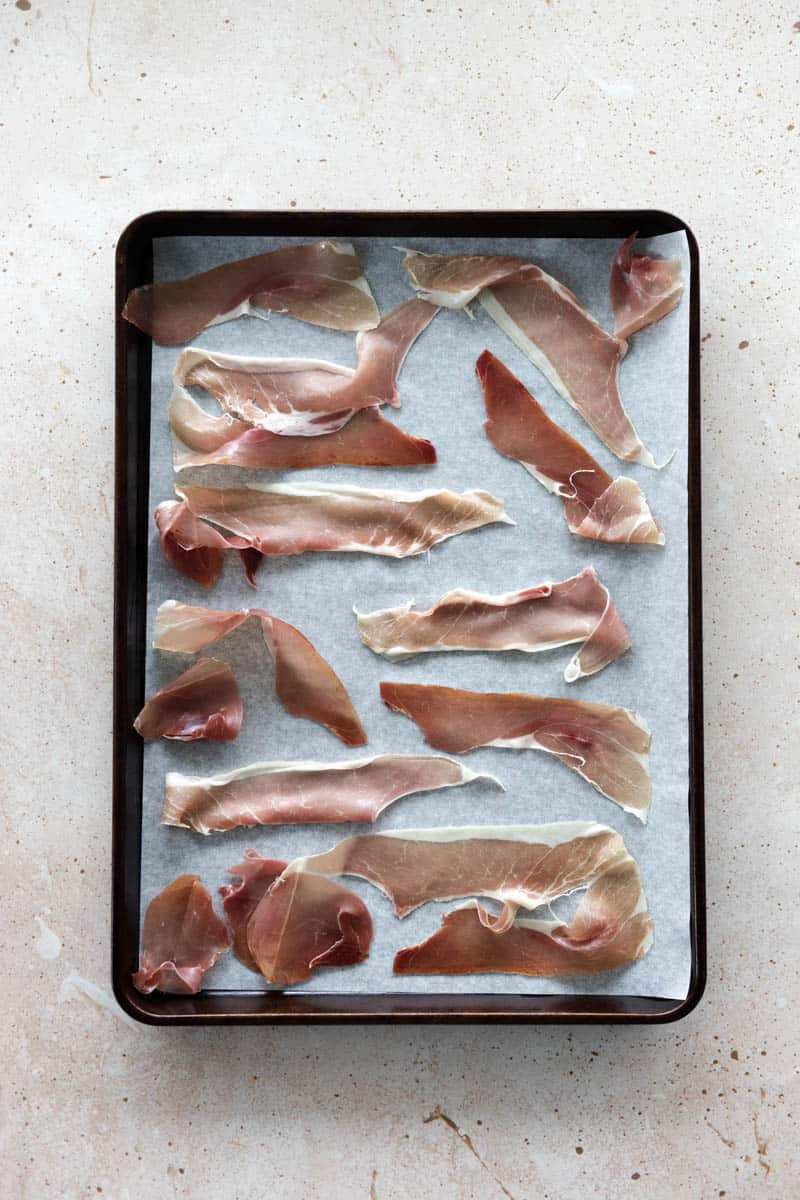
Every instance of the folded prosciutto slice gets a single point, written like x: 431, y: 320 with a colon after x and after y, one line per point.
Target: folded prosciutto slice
x: 643, y: 290
x: 550, y: 326
x: 608, y: 747
x: 610, y: 929
x: 307, y: 396
x: 320, y: 283
x: 182, y: 939
x: 203, y: 702
x: 538, y: 618
x: 595, y: 505
x: 283, y: 793
x: 306, y: 684
x: 288, y: 518
x: 256, y: 876
x: 195, y: 548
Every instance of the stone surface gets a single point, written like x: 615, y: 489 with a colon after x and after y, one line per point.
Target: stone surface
x: 114, y: 108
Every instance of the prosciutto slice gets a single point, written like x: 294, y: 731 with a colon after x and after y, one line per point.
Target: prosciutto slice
x: 307, y: 396
x: 611, y: 929
x: 537, y: 618
x: 183, y: 938
x: 203, y: 702
x: 291, y: 518
x: 643, y: 290
x: 550, y: 326
x: 195, y: 548
x: 366, y: 440
x: 608, y: 747
x: 255, y: 876
x: 282, y: 793
x: 320, y: 283
x: 595, y: 505
x: 306, y: 684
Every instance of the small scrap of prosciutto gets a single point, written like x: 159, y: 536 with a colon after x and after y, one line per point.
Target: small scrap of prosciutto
x: 608, y: 747
x: 282, y: 793
x: 550, y: 326
x: 291, y: 518
x: 256, y: 876
x: 595, y: 505
x: 538, y: 618
x: 306, y: 684
x: 183, y: 938
x: 195, y: 548
x: 308, y: 396
x: 610, y: 929
x: 203, y: 702
x: 320, y: 283
x: 643, y: 289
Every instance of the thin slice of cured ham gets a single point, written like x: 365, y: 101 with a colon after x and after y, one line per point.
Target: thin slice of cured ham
x: 643, y: 289
x: 183, y: 937
x: 610, y: 929
x: 320, y: 283
x: 538, y: 618
x: 195, y: 548
x: 608, y: 747
x: 551, y: 327
x: 202, y: 702
x: 366, y: 440
x: 306, y: 684
x: 255, y: 876
x: 595, y: 505
x: 281, y: 793
x: 291, y: 518
x: 305, y: 397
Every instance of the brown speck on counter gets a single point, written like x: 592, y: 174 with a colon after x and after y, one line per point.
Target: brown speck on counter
x: 636, y: 1175
x: 743, y: 345
x: 24, y: 5
x: 735, y: 1055
x: 579, y: 1149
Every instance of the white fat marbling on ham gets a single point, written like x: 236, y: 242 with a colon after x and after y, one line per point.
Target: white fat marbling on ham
x: 643, y: 289
x: 202, y: 702
x: 182, y: 939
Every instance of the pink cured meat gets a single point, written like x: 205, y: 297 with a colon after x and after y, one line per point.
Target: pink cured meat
x: 283, y: 793
x: 183, y: 938
x: 538, y: 618
x: 595, y: 505
x: 256, y: 876
x: 195, y: 548
x: 643, y: 290
x: 306, y: 684
x: 607, y: 746
x: 202, y: 702
x: 319, y: 283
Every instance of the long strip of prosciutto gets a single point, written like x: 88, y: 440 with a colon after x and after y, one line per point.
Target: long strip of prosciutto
x: 202, y: 702
x: 183, y: 937
x: 320, y: 283
x: 595, y: 505
x: 288, y: 518
x: 283, y: 793
x: 550, y: 326
x: 607, y: 746
x: 643, y: 289
x: 305, y: 683
x: 537, y: 618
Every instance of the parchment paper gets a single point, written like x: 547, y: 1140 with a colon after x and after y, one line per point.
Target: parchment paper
x: 442, y: 400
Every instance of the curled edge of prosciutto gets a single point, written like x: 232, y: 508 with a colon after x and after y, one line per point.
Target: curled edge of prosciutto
x: 202, y: 702
x: 306, y: 684
x: 320, y: 283
x: 643, y: 289
x: 255, y: 876
x: 304, y: 792
x: 595, y: 505
x: 182, y: 939
x: 195, y: 548
x: 534, y: 619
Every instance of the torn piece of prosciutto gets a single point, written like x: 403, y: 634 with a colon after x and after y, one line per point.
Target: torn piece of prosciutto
x: 195, y: 548
x: 305, y: 397
x: 610, y: 929
x: 289, y: 518
x: 256, y: 876
x: 320, y: 283
x: 643, y: 289
x: 282, y: 793
x: 183, y: 937
x: 365, y: 440
x: 202, y: 702
x: 306, y: 684
x: 595, y: 505
x: 538, y: 618
x: 607, y: 746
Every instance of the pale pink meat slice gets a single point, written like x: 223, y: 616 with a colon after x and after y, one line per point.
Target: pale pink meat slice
x: 182, y: 938
x: 643, y: 289
x: 256, y: 876
x: 202, y: 702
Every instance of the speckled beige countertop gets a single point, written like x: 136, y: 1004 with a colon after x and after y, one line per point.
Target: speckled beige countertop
x: 111, y: 109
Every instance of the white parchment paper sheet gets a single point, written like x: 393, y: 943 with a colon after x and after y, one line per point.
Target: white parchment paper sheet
x: 442, y: 400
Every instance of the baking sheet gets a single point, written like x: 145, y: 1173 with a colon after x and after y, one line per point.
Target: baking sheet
x: 442, y: 400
